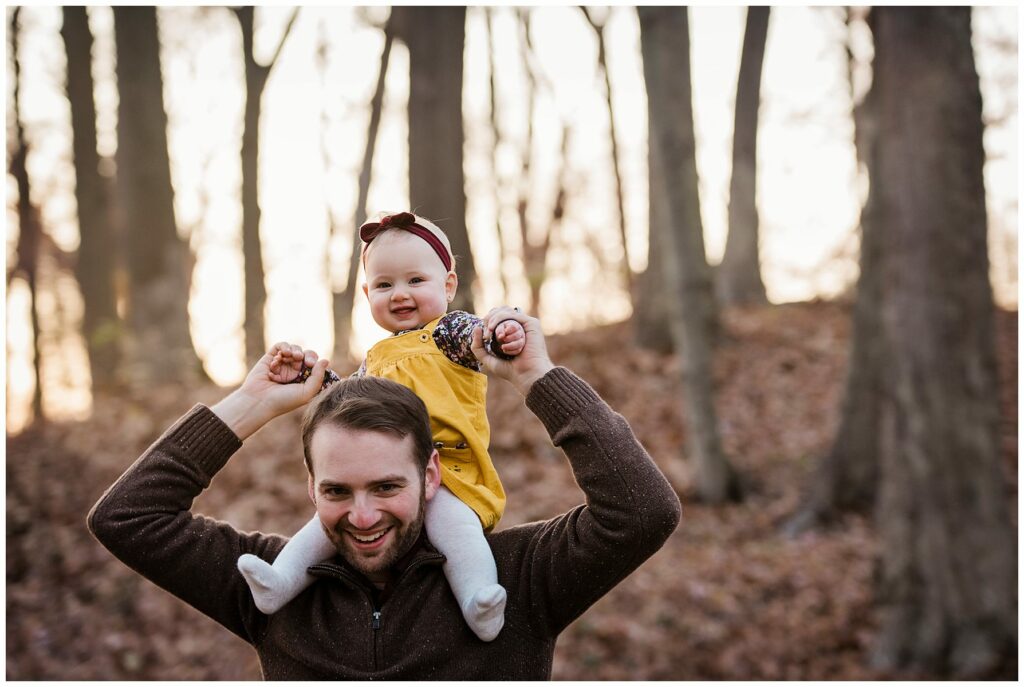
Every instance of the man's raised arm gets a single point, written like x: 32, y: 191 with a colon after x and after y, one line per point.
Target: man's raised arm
x: 144, y: 518
x: 573, y: 560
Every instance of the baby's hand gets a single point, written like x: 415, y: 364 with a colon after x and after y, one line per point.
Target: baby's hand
x: 512, y: 337
x: 287, y: 364
x: 283, y: 371
x: 295, y: 367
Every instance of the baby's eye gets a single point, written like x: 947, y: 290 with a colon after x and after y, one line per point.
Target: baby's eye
x: 383, y: 285
x: 416, y: 280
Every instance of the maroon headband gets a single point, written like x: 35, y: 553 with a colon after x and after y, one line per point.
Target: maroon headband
x: 407, y: 221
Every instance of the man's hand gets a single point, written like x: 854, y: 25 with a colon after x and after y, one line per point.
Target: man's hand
x: 268, y: 390
x: 529, y: 365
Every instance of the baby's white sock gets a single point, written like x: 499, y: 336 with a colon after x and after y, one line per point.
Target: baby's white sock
x: 485, y: 612
x: 273, y: 586
x: 454, y: 529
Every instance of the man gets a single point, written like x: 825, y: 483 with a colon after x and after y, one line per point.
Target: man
x: 381, y: 608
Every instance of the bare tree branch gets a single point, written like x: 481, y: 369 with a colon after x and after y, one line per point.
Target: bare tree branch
x: 342, y: 302
x: 284, y: 37
x: 602, y: 62
x: 495, y: 146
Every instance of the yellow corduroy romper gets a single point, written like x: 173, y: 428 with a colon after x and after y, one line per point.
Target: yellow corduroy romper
x: 456, y: 399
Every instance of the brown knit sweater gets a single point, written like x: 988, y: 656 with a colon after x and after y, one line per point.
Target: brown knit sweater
x: 553, y: 570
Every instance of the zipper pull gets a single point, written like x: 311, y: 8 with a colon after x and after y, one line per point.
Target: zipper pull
x: 376, y: 620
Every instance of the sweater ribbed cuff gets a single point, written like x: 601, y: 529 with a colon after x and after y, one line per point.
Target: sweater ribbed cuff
x: 204, y: 439
x: 559, y: 396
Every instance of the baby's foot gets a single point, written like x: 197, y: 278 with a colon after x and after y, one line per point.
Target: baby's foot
x: 269, y: 588
x: 485, y: 612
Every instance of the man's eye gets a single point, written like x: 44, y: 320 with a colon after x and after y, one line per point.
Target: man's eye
x: 334, y: 491
x: 387, y: 488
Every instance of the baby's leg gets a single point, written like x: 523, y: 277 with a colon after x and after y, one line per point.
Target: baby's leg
x: 273, y: 586
x: 454, y: 529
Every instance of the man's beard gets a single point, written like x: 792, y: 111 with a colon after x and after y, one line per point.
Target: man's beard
x: 404, y: 537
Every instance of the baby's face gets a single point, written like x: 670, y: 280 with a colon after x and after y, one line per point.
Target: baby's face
x: 406, y: 283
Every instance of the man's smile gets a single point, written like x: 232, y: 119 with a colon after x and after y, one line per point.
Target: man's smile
x: 366, y: 542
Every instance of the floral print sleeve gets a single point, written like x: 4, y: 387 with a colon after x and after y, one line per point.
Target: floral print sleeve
x: 454, y: 337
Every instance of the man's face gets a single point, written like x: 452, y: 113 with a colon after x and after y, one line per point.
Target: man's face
x: 370, y: 495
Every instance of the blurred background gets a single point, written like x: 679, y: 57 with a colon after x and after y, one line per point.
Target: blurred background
x: 781, y: 241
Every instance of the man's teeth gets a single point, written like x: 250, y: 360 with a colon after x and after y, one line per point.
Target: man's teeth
x: 370, y: 538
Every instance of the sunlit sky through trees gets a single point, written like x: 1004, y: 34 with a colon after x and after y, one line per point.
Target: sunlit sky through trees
x: 808, y: 193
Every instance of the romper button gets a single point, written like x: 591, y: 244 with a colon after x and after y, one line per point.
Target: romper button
x: 438, y: 444
x: 462, y: 444
x: 423, y: 337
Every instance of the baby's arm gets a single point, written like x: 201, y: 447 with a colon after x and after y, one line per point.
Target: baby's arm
x: 454, y: 337
x: 330, y: 376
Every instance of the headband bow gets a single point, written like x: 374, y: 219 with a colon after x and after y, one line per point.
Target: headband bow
x: 407, y: 222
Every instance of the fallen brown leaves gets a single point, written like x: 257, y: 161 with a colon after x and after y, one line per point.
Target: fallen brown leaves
x: 727, y: 598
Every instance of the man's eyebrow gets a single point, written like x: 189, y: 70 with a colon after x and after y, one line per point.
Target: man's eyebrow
x: 326, y: 483
x: 389, y: 479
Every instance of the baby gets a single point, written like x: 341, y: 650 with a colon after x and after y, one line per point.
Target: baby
x: 410, y: 281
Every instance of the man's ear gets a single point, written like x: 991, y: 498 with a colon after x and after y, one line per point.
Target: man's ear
x: 432, y: 476
x: 451, y: 285
x: 312, y: 491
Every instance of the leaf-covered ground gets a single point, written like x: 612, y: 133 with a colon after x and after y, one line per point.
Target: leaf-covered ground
x: 727, y: 598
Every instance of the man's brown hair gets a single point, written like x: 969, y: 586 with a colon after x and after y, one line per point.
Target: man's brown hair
x: 374, y: 404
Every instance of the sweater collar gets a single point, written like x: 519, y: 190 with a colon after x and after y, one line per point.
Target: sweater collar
x: 420, y: 553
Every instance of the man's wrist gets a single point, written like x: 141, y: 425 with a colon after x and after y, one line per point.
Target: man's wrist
x: 526, y: 381
x: 242, y: 414
x: 560, y: 396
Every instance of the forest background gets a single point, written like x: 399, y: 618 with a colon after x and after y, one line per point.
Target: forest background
x: 183, y: 189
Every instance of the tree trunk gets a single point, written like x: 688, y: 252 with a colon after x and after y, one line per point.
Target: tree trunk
x: 653, y: 303
x: 29, y: 229
x: 436, y: 37
x: 846, y: 478
x: 160, y: 346
x: 948, y: 582
x: 256, y: 76
x: 739, y: 275
x: 664, y: 42
x: 252, y: 249
x: 97, y: 251
x: 344, y: 302
x: 534, y: 256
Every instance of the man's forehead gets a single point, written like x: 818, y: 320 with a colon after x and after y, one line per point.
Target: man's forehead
x: 342, y: 454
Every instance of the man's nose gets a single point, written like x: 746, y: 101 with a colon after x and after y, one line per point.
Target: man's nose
x: 364, y: 514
